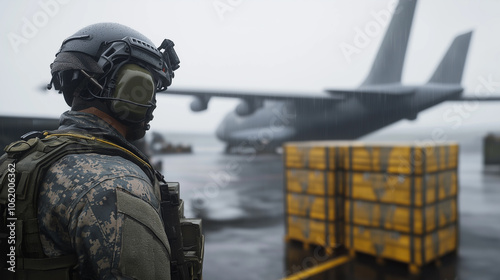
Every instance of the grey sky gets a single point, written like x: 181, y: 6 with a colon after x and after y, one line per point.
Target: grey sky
x: 264, y: 46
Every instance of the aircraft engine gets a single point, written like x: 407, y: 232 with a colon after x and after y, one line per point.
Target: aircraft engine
x: 199, y: 104
x: 411, y: 117
x: 248, y: 107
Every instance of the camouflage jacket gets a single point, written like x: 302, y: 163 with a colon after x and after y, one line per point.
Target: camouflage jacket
x: 104, y: 209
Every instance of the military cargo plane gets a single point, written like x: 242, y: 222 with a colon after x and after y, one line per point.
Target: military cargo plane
x: 264, y: 121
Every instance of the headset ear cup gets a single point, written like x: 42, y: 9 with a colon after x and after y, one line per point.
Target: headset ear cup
x: 133, y: 93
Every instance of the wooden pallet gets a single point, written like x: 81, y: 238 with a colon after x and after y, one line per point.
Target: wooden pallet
x: 412, y: 267
x: 306, y: 245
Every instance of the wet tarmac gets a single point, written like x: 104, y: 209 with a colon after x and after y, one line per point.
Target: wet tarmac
x: 240, y: 198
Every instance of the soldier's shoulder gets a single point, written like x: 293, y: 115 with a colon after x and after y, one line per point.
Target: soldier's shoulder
x: 95, y: 166
x: 79, y: 173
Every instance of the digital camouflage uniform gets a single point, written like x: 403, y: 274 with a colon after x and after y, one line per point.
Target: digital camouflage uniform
x: 104, y: 209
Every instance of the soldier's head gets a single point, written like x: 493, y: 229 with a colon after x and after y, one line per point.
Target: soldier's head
x: 116, y: 70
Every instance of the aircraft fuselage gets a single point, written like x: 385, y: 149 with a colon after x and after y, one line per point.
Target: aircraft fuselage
x: 357, y: 115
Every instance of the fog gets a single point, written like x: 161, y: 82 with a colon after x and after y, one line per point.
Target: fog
x: 276, y: 46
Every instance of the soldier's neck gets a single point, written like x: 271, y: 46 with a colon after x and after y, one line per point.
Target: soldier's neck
x: 121, y: 128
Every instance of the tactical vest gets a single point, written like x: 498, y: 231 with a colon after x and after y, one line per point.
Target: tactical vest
x: 22, y: 169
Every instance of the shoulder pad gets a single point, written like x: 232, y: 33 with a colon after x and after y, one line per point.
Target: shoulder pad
x: 18, y: 148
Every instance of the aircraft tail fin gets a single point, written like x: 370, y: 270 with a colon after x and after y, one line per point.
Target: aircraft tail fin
x: 388, y: 65
x: 451, y: 68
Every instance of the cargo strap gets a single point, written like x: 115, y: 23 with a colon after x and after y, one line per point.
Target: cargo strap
x: 309, y: 201
x: 306, y: 228
x: 384, y: 158
x: 378, y: 236
x: 340, y: 208
x: 437, y: 207
x: 436, y: 242
x: 412, y: 207
x: 303, y: 179
x: 285, y: 204
x: 387, y: 212
x: 305, y: 156
x: 349, y: 196
x: 327, y: 198
x: 379, y: 184
x: 447, y: 182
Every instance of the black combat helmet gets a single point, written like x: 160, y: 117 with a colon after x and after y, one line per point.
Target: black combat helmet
x: 112, y: 64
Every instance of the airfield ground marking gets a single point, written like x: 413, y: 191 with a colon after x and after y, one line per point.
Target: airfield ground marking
x: 318, y: 269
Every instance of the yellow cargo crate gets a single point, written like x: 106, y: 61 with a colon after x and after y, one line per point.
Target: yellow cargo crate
x: 397, y: 158
x: 386, y: 157
x: 310, y: 231
x: 316, y: 182
x: 320, y: 155
x: 315, y: 207
x: 412, y: 249
x: 396, y: 217
x: 392, y: 188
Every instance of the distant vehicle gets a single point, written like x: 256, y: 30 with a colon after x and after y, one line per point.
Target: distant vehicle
x: 265, y: 121
x: 491, y: 149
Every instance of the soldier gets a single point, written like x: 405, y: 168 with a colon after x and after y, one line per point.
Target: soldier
x: 98, y: 206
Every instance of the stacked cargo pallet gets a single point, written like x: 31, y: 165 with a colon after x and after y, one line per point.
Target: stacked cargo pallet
x: 314, y: 195
x: 400, y: 200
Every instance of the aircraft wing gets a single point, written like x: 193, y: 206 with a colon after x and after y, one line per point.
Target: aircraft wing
x: 251, y: 101
x: 251, y: 95
x: 387, y: 90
